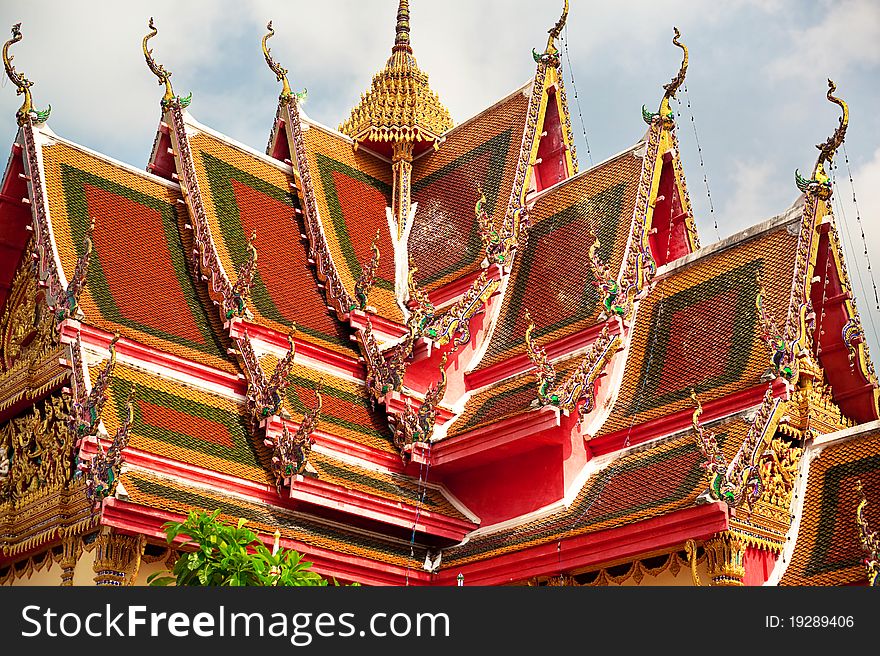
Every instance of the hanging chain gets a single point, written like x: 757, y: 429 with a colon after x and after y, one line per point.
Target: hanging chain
x: 423, y: 490
x: 576, y: 99
x: 702, y: 164
x: 861, y: 228
x: 852, y: 248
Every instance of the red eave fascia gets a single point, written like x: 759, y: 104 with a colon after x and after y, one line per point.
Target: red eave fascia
x: 350, y: 366
x: 669, y: 424
x: 594, y: 549
x: 126, y: 347
x: 519, y: 364
x: 384, y: 329
x: 133, y: 518
x: 319, y: 493
x: 526, y: 426
x: 308, y: 490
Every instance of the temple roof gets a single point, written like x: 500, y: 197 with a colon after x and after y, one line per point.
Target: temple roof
x: 153, y: 300
x: 479, y: 154
x: 699, y: 328
x: 826, y: 548
x: 637, y: 484
x: 400, y: 105
x: 551, y: 276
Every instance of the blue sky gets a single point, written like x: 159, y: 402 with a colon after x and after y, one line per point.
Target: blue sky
x: 756, y: 82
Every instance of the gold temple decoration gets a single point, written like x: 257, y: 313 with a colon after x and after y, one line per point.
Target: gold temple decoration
x: 160, y: 72
x: 690, y: 548
x: 820, y: 183
x: 868, y: 539
x: 665, y: 114
x: 70, y: 555
x: 551, y: 52
x: 118, y: 558
x: 400, y: 109
x: 280, y: 73
x: 22, y: 84
x: 726, y: 552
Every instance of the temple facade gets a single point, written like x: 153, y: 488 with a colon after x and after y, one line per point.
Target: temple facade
x: 425, y: 353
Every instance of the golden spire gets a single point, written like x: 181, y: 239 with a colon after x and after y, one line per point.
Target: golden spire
x: 400, y: 105
x: 158, y: 70
x: 280, y: 73
x: 23, y: 85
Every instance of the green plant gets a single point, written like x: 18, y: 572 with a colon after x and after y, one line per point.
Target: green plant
x: 230, y: 555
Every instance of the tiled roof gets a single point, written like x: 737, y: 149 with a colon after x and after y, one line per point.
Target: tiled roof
x: 647, y: 482
x: 242, y: 193
x: 139, y: 280
x: 346, y: 410
x: 445, y: 239
x: 187, y: 425
x: 352, y: 190
x: 507, y: 399
x: 551, y: 276
x: 827, y: 550
x: 171, y: 496
x: 398, y: 488
x: 699, y: 328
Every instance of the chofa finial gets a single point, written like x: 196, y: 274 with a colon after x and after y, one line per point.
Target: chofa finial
x: 666, y: 114
x: 280, y: 72
x: 820, y: 184
x: 551, y: 52
x: 22, y: 84
x: 160, y: 72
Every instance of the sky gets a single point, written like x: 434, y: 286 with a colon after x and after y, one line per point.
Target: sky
x: 755, y: 86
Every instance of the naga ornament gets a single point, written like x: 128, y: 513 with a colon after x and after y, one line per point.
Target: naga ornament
x: 23, y: 85
x: 782, y: 353
x: 85, y: 408
x: 421, y: 308
x: 546, y: 373
x: 101, y: 472
x: 665, y: 114
x: 367, y: 278
x: 455, y: 324
x: 163, y: 75
x: 265, y: 396
x: 868, y: 539
x: 69, y: 307
x: 819, y: 184
x: 418, y: 425
x: 550, y: 56
x: 739, y: 481
x: 236, y: 304
x: 605, y: 283
x: 290, y: 456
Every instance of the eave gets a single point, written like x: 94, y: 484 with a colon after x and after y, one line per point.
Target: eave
x: 592, y: 550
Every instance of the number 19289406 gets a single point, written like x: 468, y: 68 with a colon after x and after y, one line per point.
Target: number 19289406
x: 809, y: 621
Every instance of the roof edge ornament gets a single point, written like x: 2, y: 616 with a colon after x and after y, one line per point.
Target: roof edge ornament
x: 665, y: 113
x: 159, y: 71
x: 820, y: 183
x: 22, y: 84
x: 868, y: 539
x: 275, y: 67
x: 551, y: 52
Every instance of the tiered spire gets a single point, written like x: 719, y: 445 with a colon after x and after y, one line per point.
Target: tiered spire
x: 400, y: 106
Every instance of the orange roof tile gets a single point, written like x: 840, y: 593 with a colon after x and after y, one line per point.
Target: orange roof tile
x: 150, y: 299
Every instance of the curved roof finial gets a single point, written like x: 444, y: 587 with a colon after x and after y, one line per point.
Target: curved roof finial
x: 820, y: 183
x: 22, y: 84
x: 401, y: 35
x: 678, y: 80
x: 280, y: 73
x: 551, y: 52
x: 157, y: 69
